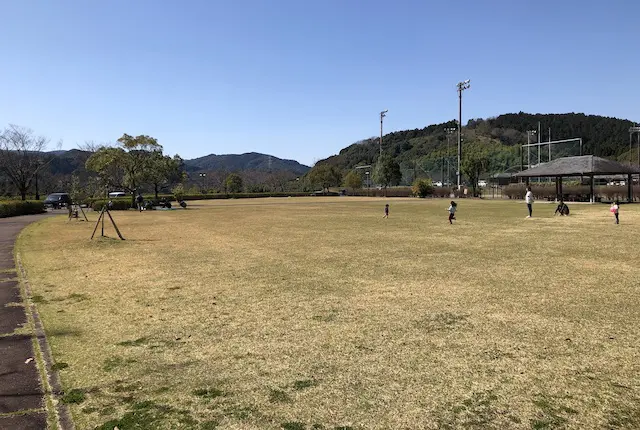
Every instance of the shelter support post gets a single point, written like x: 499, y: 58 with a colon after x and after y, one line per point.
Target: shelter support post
x: 558, y: 196
x: 591, y: 195
x: 629, y: 188
x: 560, y: 187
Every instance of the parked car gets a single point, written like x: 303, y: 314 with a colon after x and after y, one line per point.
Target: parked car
x: 57, y: 200
x: 116, y: 194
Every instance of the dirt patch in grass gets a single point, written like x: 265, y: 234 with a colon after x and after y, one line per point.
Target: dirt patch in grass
x: 318, y: 313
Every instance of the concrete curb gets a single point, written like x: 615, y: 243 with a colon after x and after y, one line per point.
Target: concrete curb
x: 62, y: 413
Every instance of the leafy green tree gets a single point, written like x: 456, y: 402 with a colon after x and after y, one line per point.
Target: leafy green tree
x: 422, y: 187
x: 353, y: 180
x: 475, y: 161
x: 387, y: 171
x: 163, y: 171
x: 233, y: 183
x: 325, y: 176
x: 178, y: 191
x: 125, y: 166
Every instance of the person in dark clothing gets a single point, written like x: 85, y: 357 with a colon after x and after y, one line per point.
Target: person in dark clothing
x: 562, y: 209
x: 140, y: 200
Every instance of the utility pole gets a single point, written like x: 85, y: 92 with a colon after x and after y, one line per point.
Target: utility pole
x: 461, y: 87
x: 382, y: 115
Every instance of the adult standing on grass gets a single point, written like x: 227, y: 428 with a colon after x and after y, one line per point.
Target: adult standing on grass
x: 140, y: 200
x: 529, y: 199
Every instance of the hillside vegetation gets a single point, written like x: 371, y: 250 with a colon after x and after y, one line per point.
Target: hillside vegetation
x: 424, y: 151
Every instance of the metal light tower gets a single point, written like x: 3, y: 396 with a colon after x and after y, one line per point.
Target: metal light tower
x: 461, y: 87
x: 449, y: 132
x: 631, y: 131
x: 382, y: 115
x: 529, y: 133
x: 203, y: 176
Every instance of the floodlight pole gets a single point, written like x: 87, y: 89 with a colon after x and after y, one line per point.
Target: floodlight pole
x: 633, y: 130
x: 461, y: 87
x: 203, y: 176
x: 529, y: 133
x: 539, y: 137
x: 449, y: 132
x: 382, y: 115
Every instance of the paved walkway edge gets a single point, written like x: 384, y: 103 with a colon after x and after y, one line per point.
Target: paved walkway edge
x: 52, y: 378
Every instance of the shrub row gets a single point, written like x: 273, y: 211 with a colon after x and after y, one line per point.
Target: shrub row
x: 239, y: 196
x: 117, y: 204
x: 10, y: 208
x: 390, y: 192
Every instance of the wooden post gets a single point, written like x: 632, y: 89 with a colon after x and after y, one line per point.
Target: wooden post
x: 83, y: 214
x: 560, y: 187
x: 98, y: 223
x: 629, y: 188
x: 114, y: 225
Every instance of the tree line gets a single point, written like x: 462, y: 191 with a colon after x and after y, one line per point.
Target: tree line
x: 134, y: 164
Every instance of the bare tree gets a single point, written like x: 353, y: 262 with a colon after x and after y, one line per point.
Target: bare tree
x: 20, y: 156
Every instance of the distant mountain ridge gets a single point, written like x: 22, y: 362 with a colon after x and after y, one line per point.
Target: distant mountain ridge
x: 240, y: 162
x: 68, y: 162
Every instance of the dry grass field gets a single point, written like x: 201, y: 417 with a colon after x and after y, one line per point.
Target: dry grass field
x: 316, y: 313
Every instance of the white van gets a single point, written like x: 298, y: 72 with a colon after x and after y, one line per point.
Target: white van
x: 117, y: 194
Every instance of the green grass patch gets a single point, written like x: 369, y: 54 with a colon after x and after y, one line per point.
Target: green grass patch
x: 116, y: 362
x: 304, y: 383
x: 59, y: 366
x: 279, y: 396
x: 208, y: 393
x: 137, y: 342
x: 38, y: 299
x: 74, y: 396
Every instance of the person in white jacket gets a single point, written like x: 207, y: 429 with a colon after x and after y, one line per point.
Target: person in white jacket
x: 529, y: 199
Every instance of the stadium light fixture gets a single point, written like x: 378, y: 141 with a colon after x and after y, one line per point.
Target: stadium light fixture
x: 464, y: 85
x: 382, y: 115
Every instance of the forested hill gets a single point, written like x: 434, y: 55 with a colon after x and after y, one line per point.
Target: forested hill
x: 602, y: 136
x: 239, y: 162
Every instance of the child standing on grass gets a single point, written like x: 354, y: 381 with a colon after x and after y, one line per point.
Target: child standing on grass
x: 386, y: 211
x: 615, y: 207
x: 452, y: 211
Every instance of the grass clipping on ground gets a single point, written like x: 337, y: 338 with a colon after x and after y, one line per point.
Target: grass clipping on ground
x: 320, y: 314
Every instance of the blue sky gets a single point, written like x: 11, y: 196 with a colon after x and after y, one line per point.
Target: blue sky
x: 303, y: 79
